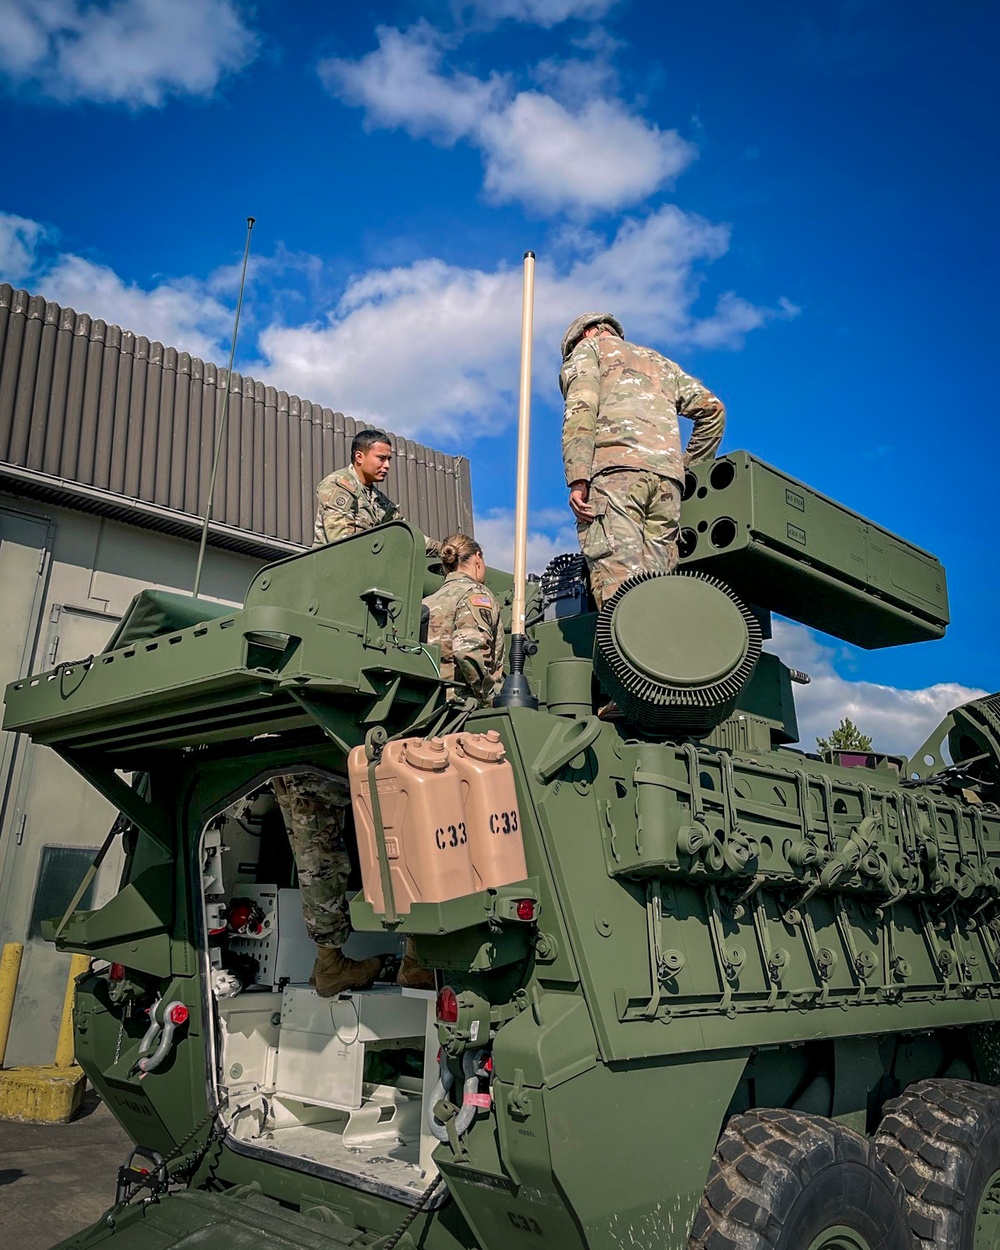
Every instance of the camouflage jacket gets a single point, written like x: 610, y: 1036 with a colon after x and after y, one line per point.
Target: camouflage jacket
x: 347, y: 506
x: 622, y: 404
x: 465, y: 623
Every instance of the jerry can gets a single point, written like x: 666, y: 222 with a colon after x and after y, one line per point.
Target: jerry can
x: 426, y: 832
x: 491, y: 812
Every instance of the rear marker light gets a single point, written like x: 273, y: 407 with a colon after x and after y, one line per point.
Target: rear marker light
x: 178, y: 1014
x: 447, y: 1005
x: 116, y: 972
x: 526, y: 909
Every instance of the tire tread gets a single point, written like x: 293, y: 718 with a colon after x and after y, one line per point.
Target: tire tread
x: 928, y: 1139
x: 764, y: 1159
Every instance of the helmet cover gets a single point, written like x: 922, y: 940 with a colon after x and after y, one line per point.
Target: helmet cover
x: 576, y: 329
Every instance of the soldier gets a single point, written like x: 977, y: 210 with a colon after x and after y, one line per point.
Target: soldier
x: 349, y: 500
x: 465, y: 622
x: 314, y: 804
x: 622, y: 449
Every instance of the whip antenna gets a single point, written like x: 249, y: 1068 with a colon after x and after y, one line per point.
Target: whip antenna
x: 516, y: 692
x: 222, y: 412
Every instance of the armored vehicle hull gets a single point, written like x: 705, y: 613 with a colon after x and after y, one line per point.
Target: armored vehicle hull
x: 743, y: 996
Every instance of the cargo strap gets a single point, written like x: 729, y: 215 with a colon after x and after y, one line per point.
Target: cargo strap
x: 375, y: 740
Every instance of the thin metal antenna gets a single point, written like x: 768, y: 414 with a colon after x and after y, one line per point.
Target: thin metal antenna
x: 222, y: 412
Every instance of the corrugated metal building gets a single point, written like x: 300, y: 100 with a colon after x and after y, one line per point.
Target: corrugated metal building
x: 106, y: 445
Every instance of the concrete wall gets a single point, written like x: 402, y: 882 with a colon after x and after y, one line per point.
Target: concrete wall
x: 66, y: 577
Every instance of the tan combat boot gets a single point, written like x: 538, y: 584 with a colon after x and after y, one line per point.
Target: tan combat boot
x: 334, y: 973
x: 412, y: 974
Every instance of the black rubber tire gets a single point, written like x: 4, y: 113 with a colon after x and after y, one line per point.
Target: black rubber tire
x: 780, y: 1179
x: 941, y: 1138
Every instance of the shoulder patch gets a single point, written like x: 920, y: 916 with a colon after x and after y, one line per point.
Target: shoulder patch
x: 342, y: 501
x: 481, y: 601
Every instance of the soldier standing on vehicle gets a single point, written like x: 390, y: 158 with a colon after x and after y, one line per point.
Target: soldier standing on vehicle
x: 622, y: 449
x: 313, y: 804
x: 465, y: 621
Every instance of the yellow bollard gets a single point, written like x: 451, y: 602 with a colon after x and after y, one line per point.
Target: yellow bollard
x: 46, y: 1093
x: 10, y: 966
x: 65, y: 1045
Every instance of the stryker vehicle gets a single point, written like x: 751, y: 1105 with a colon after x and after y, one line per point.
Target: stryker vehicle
x: 696, y: 987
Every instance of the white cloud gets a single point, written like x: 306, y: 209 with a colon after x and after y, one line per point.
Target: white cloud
x: 181, y: 313
x: 585, y: 156
x: 178, y: 312
x: 897, y: 721
x: 597, y: 159
x: 134, y: 52
x: 549, y: 534
x: 535, y: 12
x: 19, y: 238
x: 399, y: 85
x: 432, y: 348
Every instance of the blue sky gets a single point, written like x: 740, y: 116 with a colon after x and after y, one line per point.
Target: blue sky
x: 795, y: 199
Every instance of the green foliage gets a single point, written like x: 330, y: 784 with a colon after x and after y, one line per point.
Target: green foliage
x: 846, y: 737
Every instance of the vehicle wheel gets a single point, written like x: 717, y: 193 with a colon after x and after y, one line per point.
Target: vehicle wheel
x: 942, y: 1139
x: 783, y: 1180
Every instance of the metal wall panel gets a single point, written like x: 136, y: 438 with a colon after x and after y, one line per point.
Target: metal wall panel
x: 95, y: 409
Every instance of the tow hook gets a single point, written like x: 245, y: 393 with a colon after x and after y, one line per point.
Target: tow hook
x: 159, y: 1037
x: 474, y: 1069
x: 143, y: 1169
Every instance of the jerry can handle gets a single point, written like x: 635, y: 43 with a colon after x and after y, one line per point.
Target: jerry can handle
x: 375, y: 740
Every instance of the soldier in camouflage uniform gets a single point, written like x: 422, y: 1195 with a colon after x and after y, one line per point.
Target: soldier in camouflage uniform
x: 622, y: 449
x: 313, y: 804
x: 349, y: 500
x: 465, y: 622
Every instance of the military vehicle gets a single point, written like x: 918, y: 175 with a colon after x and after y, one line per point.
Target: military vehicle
x: 696, y: 987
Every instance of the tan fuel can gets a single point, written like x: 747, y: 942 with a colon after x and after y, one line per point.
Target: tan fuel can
x: 492, y: 816
x: 423, y: 815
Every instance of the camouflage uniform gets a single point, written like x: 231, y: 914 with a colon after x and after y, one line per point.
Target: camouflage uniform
x: 312, y: 804
x: 346, y: 506
x: 620, y: 434
x: 465, y: 622
x: 313, y: 807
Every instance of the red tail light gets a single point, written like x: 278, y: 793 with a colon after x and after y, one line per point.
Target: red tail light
x: 179, y: 1014
x: 447, y: 1005
x: 116, y: 972
x: 526, y: 909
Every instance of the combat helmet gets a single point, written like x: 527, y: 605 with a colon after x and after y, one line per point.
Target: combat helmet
x: 577, y: 327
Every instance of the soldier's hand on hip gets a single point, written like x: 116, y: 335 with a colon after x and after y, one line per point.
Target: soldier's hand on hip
x: 579, y: 493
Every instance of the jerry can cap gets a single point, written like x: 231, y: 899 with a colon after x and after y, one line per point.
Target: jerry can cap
x: 486, y: 747
x: 430, y: 754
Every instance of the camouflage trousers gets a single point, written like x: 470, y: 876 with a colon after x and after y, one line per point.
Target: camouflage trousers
x: 635, y: 528
x: 313, y: 807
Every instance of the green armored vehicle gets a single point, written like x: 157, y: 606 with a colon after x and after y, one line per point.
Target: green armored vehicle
x: 737, y: 995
